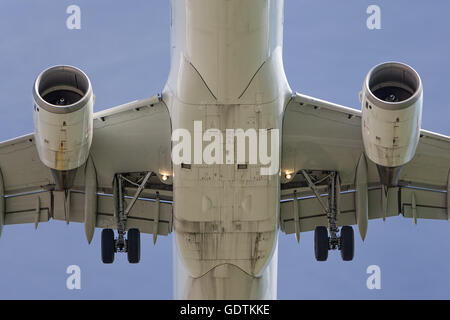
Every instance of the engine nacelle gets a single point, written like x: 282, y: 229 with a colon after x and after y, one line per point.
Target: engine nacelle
x: 63, y: 121
x: 392, y: 99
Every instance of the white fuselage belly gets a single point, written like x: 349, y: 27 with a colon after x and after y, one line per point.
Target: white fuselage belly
x: 226, y: 73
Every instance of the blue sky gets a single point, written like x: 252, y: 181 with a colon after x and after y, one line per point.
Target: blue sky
x: 124, y: 48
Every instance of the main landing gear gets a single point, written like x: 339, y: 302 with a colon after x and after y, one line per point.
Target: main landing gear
x: 132, y: 243
x: 326, y: 239
x: 323, y: 243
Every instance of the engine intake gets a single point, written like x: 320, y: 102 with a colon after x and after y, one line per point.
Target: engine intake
x: 63, y: 121
x: 393, y: 85
x: 391, y: 98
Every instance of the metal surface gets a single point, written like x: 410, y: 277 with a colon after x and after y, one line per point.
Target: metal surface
x: 333, y: 209
x: 391, y: 122
x: 122, y: 212
x: 63, y: 132
x: 63, y: 179
x: 393, y: 75
x: 389, y: 177
x: 137, y: 194
x: 361, y: 196
x: 90, y: 200
x: 2, y: 202
x: 228, y: 76
x: 227, y: 71
x: 62, y: 78
x: 448, y: 196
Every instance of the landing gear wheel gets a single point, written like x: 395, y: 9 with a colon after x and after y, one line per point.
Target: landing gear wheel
x: 347, y: 246
x: 108, y: 246
x: 134, y: 246
x: 321, y: 243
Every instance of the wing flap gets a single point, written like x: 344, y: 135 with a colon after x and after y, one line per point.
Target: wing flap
x: 424, y: 204
x: 21, y: 167
x: 429, y: 204
x: 142, y: 216
x: 430, y: 166
x: 311, y: 213
x: 43, y: 206
x: 28, y: 208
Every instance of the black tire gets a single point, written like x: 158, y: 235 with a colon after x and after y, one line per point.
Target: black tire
x: 321, y: 243
x: 347, y: 243
x: 134, y: 246
x: 108, y: 246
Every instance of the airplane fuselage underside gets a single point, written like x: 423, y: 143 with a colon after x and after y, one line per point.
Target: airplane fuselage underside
x: 226, y: 74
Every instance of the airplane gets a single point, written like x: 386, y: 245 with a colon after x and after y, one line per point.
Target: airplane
x: 115, y: 169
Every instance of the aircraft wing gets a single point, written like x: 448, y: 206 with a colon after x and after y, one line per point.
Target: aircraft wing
x: 133, y: 138
x: 321, y: 137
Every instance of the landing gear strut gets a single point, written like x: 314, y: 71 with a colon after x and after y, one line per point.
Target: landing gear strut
x: 326, y: 239
x: 132, y: 243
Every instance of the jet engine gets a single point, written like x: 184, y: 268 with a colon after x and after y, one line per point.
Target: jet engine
x: 63, y: 120
x: 391, y: 98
